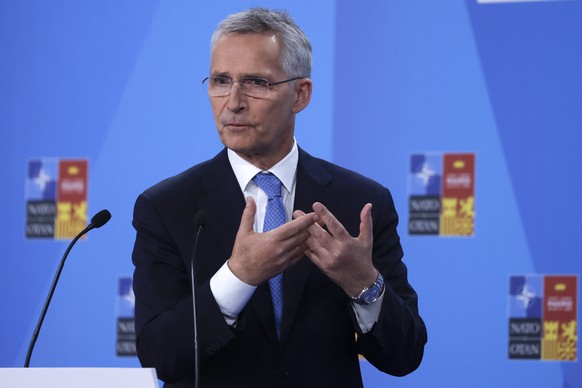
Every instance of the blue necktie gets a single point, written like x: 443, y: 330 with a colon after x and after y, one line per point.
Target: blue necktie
x: 274, y: 217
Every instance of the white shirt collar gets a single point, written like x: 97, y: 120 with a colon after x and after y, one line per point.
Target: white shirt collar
x: 285, y: 169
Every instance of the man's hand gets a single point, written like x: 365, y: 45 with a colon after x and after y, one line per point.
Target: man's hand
x: 344, y: 259
x: 257, y: 257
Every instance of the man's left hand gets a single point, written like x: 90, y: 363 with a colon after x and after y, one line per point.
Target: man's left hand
x: 344, y: 259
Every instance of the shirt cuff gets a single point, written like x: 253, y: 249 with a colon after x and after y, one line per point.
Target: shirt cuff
x: 367, y: 315
x: 231, y: 293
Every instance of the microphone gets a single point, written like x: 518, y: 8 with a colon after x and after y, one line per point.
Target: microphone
x: 97, y: 221
x: 199, y: 222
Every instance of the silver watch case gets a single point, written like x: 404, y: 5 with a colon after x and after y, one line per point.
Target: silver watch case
x: 370, y: 294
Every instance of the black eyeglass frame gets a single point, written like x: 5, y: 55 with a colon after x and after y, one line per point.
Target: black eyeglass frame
x: 232, y: 82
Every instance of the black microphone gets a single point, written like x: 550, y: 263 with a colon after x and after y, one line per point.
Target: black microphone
x: 97, y: 221
x: 199, y: 223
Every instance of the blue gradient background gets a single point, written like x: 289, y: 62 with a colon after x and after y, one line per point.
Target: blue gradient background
x: 118, y: 82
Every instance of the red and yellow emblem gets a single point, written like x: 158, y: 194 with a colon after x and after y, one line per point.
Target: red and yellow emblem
x: 71, y: 198
x: 560, y: 336
x: 458, y: 195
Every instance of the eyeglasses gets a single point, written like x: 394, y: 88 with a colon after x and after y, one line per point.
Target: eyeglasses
x: 250, y: 86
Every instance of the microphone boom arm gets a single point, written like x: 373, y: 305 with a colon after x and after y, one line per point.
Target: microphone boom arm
x: 97, y: 221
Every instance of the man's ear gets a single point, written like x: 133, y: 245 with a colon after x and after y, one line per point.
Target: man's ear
x: 303, y: 88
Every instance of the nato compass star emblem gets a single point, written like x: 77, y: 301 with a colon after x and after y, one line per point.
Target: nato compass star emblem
x: 42, y: 179
x: 526, y: 296
x: 425, y: 174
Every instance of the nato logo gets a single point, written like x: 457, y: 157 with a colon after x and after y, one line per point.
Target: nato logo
x: 41, y: 184
x: 425, y: 174
x: 526, y: 296
x: 126, y: 298
x: 442, y: 194
x: 41, y: 196
x: 56, y: 197
x: 126, y: 337
x: 525, y: 317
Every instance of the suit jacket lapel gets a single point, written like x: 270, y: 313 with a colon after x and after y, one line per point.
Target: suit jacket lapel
x: 223, y: 201
x: 312, y: 186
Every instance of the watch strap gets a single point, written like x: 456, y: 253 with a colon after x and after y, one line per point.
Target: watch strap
x: 371, y: 293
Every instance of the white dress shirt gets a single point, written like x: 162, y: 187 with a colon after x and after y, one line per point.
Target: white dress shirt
x: 231, y: 293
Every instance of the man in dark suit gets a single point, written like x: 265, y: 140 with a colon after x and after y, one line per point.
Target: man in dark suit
x: 341, y: 295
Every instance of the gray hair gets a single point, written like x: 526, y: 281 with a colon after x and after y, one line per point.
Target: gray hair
x: 295, y: 46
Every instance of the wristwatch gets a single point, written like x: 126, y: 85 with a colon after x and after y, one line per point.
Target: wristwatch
x: 372, y: 293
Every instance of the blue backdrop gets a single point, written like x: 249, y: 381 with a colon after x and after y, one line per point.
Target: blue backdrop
x: 118, y: 83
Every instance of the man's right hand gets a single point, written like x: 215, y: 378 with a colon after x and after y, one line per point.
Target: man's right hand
x: 257, y: 257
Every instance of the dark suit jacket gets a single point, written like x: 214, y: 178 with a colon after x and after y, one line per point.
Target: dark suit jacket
x: 320, y: 338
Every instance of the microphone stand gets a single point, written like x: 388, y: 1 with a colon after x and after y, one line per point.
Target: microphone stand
x: 96, y: 222
x: 199, y: 221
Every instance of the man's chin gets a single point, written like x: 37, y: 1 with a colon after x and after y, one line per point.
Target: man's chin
x: 237, y: 146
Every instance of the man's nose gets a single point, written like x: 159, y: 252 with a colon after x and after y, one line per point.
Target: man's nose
x: 236, y: 98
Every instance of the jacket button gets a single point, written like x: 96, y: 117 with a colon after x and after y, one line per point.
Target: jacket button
x: 283, y: 373
x: 213, y: 348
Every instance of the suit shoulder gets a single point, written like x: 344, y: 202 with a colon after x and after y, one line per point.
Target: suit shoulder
x: 348, y: 179
x: 184, y: 183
